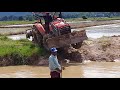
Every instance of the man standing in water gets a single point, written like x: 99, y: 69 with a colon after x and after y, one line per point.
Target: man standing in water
x: 54, y: 66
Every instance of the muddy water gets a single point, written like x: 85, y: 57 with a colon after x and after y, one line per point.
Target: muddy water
x: 103, y: 30
x: 86, y: 70
x: 12, y: 30
x: 18, y: 37
x: 92, y: 32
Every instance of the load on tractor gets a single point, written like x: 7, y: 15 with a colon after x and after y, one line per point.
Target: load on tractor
x: 51, y: 30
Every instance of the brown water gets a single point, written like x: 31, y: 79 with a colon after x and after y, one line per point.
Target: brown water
x: 73, y: 70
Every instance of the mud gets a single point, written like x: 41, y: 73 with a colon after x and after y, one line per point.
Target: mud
x: 13, y: 31
x: 69, y: 53
x: 16, y: 59
x: 102, y: 49
x: 17, y: 26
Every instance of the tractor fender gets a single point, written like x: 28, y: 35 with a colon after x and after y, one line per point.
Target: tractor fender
x: 40, y: 28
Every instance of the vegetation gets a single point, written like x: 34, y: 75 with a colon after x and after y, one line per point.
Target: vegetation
x: 93, y: 19
x: 12, y: 18
x: 18, y: 51
x: 90, y: 14
x: 2, y: 23
x: 30, y: 17
x: 24, y: 47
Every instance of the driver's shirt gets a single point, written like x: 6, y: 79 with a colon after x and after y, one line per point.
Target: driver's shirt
x: 47, y: 19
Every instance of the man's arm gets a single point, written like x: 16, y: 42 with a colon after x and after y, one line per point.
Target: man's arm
x: 59, y: 70
x: 58, y: 67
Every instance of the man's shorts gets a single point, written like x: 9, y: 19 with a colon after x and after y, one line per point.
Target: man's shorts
x: 55, y: 74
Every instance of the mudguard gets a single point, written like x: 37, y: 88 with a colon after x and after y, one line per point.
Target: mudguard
x: 40, y: 28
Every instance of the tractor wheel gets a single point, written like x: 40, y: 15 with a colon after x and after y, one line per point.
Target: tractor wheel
x: 28, y: 33
x: 34, y: 37
x: 44, y: 41
x: 40, y: 39
x: 77, y: 45
x: 37, y: 37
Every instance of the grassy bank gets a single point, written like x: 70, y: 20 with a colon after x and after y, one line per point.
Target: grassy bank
x: 18, y: 52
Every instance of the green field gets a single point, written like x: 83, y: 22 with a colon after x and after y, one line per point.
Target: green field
x: 93, y: 19
x: 2, y: 23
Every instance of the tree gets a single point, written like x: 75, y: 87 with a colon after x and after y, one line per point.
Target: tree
x: 20, y: 18
x: 29, y: 17
x: 84, y: 17
x: 5, y: 18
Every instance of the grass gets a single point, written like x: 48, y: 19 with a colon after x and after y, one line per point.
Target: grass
x: 93, y: 19
x: 2, y: 23
x: 19, y: 52
x: 23, y: 47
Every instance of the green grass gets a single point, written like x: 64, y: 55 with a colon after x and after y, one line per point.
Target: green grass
x: 23, y: 47
x: 93, y: 19
x: 2, y: 23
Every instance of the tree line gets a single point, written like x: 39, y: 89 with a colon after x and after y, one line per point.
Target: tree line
x: 91, y: 14
x: 65, y: 15
x: 20, y: 18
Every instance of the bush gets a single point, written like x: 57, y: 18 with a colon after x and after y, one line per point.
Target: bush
x: 84, y: 17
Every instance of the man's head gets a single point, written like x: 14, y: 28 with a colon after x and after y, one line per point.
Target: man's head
x: 53, y: 51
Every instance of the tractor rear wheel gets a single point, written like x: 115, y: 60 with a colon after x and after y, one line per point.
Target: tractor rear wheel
x: 37, y: 37
x: 45, y: 37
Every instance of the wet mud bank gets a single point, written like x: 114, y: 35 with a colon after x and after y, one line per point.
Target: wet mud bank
x: 101, y: 49
x: 17, y: 59
x: 105, y: 49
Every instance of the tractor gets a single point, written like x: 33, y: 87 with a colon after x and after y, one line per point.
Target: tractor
x: 51, y: 30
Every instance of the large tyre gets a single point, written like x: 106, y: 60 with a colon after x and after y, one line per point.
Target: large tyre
x: 28, y: 34
x: 44, y: 41
x: 37, y: 37
x: 77, y: 45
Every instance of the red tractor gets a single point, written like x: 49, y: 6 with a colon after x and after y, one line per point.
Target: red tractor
x: 54, y: 31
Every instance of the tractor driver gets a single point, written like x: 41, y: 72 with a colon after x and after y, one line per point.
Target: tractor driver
x: 47, y: 19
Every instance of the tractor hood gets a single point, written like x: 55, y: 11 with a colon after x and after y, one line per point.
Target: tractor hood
x: 59, y: 23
